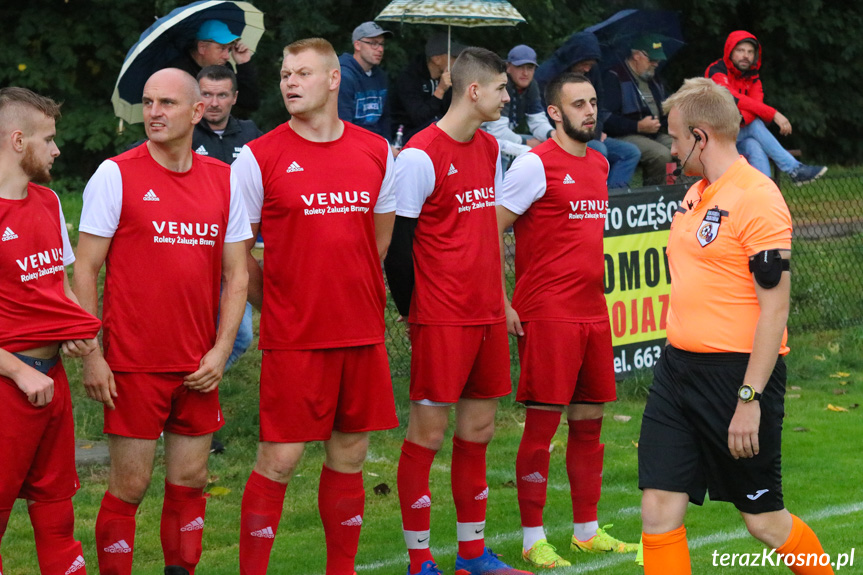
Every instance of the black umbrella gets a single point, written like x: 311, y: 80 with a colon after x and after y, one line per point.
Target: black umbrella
x: 168, y: 37
x: 617, y: 33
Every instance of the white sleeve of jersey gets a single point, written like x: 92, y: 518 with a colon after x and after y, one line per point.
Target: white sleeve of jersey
x: 387, y: 197
x: 103, y: 201
x: 246, y: 179
x: 68, y: 254
x: 415, y: 181
x: 238, y: 218
x: 523, y: 185
x: 498, y: 175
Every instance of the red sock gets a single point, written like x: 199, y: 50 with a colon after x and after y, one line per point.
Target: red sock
x: 415, y: 501
x: 803, y: 541
x: 4, y: 520
x: 531, y: 464
x: 341, y: 502
x: 115, y: 535
x: 182, y: 527
x: 584, y: 467
x: 54, y: 527
x: 470, y: 495
x: 666, y: 553
x: 261, y: 512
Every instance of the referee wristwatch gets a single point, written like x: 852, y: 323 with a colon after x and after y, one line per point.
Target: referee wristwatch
x: 747, y: 393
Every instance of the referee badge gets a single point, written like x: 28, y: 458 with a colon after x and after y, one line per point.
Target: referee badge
x: 709, y: 228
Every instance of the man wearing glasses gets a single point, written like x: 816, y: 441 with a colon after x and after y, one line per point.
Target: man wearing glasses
x: 633, y: 98
x: 214, y: 44
x: 363, y: 93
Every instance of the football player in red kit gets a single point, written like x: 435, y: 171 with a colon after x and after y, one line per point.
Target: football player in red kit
x: 557, y: 199
x: 170, y: 230
x: 320, y: 191
x: 444, y: 270
x: 38, y: 315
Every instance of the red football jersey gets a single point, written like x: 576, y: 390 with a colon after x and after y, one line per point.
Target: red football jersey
x: 34, y: 308
x: 164, y: 266
x: 449, y: 186
x: 562, y: 202
x: 323, y: 282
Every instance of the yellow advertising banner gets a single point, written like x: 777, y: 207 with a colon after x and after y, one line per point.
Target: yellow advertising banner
x: 637, y: 277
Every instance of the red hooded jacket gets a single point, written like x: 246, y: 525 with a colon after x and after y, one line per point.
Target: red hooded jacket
x: 744, y: 86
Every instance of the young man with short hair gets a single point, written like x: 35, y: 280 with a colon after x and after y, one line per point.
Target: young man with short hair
x: 444, y: 273
x: 38, y: 315
x: 321, y: 192
x: 556, y: 199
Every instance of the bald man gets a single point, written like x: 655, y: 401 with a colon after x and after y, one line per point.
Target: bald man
x: 170, y: 229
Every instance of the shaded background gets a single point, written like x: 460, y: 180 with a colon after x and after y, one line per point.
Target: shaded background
x: 72, y: 50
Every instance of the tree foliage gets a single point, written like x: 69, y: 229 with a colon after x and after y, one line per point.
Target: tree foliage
x: 72, y: 50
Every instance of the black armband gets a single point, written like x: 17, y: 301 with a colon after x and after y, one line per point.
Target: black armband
x: 399, y: 264
x: 767, y: 266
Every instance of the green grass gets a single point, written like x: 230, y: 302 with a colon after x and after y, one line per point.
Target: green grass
x: 822, y: 474
x: 822, y: 480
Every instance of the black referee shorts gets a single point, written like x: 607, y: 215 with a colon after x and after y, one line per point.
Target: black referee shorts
x: 684, y: 433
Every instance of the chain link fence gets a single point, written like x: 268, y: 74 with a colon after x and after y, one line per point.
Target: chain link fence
x: 826, y: 263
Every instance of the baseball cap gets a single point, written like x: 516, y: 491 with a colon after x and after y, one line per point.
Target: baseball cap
x: 521, y: 55
x: 651, y: 44
x: 436, y: 45
x: 217, y: 31
x: 368, y: 30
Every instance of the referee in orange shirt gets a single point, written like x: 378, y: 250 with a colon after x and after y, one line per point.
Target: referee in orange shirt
x: 713, y: 420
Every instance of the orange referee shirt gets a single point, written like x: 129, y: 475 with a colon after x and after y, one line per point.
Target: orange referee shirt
x: 713, y: 306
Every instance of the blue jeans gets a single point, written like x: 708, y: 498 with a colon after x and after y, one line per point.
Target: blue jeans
x: 244, y: 337
x: 758, y: 145
x: 622, y: 159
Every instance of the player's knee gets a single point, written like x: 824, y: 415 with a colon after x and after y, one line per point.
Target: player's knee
x: 189, y: 476
x: 659, y: 513
x: 764, y: 527
x: 129, y: 487
x: 278, y: 466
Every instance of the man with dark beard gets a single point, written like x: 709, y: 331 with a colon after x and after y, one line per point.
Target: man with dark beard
x: 556, y: 198
x: 633, y: 99
x: 38, y: 315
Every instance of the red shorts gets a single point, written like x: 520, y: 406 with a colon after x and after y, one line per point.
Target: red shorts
x: 37, y: 444
x: 564, y: 363
x: 306, y: 394
x: 149, y: 403
x: 453, y: 362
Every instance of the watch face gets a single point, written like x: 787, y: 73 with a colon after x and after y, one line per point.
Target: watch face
x: 745, y: 393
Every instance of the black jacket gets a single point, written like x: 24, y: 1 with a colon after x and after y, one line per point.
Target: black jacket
x: 414, y: 104
x: 579, y: 47
x: 226, y: 147
x: 624, y: 104
x: 249, y: 97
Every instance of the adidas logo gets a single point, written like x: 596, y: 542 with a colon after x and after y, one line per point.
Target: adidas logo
x: 9, y: 235
x: 452, y: 170
x: 202, y: 150
x: 483, y: 495
x: 78, y: 564
x: 424, y: 501
x: 568, y: 180
x: 295, y: 167
x: 151, y: 196
x: 535, y: 477
x: 195, y: 525
x: 354, y: 521
x: 119, y: 547
x: 265, y: 533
